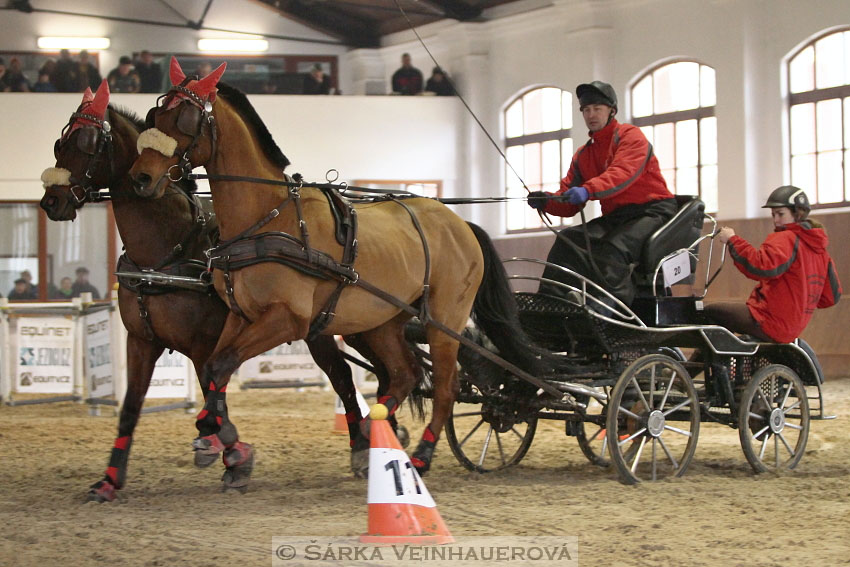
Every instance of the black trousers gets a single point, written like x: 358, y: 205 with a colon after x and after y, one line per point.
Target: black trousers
x: 736, y: 317
x: 616, y: 243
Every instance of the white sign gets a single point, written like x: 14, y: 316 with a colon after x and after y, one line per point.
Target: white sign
x: 397, y: 481
x: 45, y: 355
x: 285, y: 363
x: 676, y: 268
x: 98, y: 354
x: 171, y: 376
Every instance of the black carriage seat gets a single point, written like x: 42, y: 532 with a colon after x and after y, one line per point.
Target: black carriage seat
x: 679, y: 232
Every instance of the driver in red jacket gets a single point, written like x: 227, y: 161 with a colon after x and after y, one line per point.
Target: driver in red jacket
x: 618, y: 168
x: 794, y: 271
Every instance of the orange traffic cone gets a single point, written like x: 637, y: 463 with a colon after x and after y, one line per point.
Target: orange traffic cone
x: 401, y: 509
x: 340, y: 420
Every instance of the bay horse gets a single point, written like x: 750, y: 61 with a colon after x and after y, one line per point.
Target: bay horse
x: 95, y: 151
x: 413, y: 251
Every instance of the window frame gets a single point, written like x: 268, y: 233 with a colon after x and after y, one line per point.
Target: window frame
x: 697, y: 114
x: 814, y: 96
x: 536, y: 138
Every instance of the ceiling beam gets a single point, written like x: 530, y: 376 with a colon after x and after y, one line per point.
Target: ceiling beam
x: 317, y: 15
x: 455, y: 9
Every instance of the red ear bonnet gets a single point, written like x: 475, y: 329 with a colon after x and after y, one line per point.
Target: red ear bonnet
x: 204, y: 88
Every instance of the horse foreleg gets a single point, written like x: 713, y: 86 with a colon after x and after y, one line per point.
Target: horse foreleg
x: 141, y: 359
x: 444, y: 360
x: 327, y: 355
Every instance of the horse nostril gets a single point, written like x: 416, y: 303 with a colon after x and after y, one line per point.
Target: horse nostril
x: 142, y: 180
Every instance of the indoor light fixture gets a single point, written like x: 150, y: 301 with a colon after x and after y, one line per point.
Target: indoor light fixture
x: 223, y: 45
x: 73, y: 43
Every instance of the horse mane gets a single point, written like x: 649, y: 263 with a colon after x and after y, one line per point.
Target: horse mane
x: 240, y: 102
x: 187, y: 185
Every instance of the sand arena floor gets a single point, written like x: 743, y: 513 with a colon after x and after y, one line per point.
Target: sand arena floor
x: 172, y: 514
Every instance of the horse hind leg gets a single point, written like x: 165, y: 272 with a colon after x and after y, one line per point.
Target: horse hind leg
x: 141, y: 359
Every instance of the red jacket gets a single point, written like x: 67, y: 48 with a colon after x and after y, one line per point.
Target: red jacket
x: 616, y: 166
x: 796, y: 276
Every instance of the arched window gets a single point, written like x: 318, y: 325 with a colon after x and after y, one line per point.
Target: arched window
x: 539, y: 147
x: 819, y: 119
x: 674, y: 106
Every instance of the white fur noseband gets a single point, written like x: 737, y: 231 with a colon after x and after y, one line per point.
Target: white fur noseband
x: 55, y: 176
x: 156, y: 140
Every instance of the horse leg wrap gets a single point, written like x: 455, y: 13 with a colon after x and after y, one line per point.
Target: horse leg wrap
x: 207, y: 449
x: 116, y: 473
x: 239, y: 460
x: 102, y: 491
x: 424, y: 453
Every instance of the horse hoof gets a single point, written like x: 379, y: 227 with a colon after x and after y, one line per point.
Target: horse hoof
x: 403, y: 436
x: 360, y: 463
x: 207, y: 449
x: 421, y: 466
x: 102, y: 491
x: 239, y: 460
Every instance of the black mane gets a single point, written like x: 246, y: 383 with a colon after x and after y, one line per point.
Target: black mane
x: 240, y: 102
x: 187, y: 185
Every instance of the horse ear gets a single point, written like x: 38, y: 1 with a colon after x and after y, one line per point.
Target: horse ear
x: 88, y: 96
x: 100, y: 101
x: 206, y: 86
x: 176, y: 72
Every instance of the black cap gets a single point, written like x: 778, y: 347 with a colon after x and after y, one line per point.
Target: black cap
x: 20, y: 280
x: 788, y: 196
x: 82, y: 270
x: 125, y: 60
x: 596, y: 92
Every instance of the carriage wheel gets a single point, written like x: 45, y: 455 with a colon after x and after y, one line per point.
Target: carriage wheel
x: 591, y: 437
x: 773, y: 419
x: 485, y: 438
x: 650, y: 395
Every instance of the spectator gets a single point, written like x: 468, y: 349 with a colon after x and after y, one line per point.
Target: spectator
x: 408, y: 79
x: 64, y: 291
x: 43, y: 85
x: 123, y: 79
x: 87, y: 74
x: 21, y: 291
x: 14, y: 77
x: 150, y: 74
x: 204, y: 69
x: 4, y: 87
x: 439, y: 84
x: 82, y: 285
x: 65, y: 75
x: 316, y: 82
x: 27, y: 276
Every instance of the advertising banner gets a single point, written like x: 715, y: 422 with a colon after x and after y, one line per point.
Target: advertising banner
x: 287, y: 363
x: 171, y: 376
x: 45, y: 348
x: 97, y: 331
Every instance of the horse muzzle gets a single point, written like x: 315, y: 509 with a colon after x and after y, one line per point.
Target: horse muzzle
x: 57, y: 205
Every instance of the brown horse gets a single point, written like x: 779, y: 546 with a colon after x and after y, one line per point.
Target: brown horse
x: 416, y: 250
x: 96, y: 150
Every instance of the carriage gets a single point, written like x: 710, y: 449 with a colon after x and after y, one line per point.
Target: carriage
x: 629, y: 395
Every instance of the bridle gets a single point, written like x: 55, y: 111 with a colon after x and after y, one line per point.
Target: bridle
x: 93, y: 140
x: 194, y: 114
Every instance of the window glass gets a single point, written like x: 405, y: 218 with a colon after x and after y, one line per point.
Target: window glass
x: 830, y: 177
x: 566, y: 110
x: 19, y: 251
x: 78, y: 251
x: 708, y: 140
x: 551, y: 163
x: 802, y: 128
x: 551, y: 108
x: 829, y: 61
x: 687, y: 181
x: 642, y: 97
x: 803, y: 172
x: 802, y: 71
x: 532, y: 164
x: 829, y: 129
x: 708, y: 182
x: 665, y: 147
x: 566, y: 155
x: 513, y: 120
x: 707, y: 87
x: 533, y: 112
x: 687, y: 145
x: 677, y: 87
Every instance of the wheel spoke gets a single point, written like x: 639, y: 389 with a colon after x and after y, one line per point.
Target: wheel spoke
x: 667, y: 391
x: 678, y: 407
x: 654, y: 461
x: 637, y: 457
x: 764, y: 399
x: 640, y: 393
x: 787, y: 393
x: 486, y: 446
x: 604, y: 446
x: 776, y: 450
x: 629, y: 412
x: 652, y: 389
x: 787, y: 446
x: 679, y: 431
x: 668, y: 453
x: 794, y: 426
x: 467, y: 414
x: 471, y: 433
x: 761, y: 431
x: 795, y: 405
x: 595, y: 436
x: 632, y: 436
x: 501, y: 451
x: 763, y: 446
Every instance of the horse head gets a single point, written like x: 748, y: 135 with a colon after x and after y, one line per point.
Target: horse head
x: 181, y: 132
x: 84, y: 155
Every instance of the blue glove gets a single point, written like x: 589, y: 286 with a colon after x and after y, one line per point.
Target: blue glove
x: 576, y: 195
x: 538, y: 200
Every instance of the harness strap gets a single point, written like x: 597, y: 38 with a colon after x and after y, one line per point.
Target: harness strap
x: 424, y: 314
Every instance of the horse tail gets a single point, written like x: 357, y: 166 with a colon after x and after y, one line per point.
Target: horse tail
x: 495, y: 311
